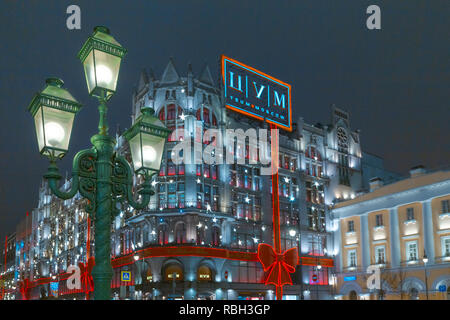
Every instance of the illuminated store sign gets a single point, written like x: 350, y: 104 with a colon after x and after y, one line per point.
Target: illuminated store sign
x: 256, y: 94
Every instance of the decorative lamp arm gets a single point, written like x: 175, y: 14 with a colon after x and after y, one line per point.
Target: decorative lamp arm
x: 146, y: 190
x: 54, y: 177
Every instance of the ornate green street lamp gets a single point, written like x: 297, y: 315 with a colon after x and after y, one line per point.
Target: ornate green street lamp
x: 100, y: 175
x: 53, y: 110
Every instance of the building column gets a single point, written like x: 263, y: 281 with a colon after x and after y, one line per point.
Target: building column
x: 427, y: 222
x: 394, y: 239
x: 365, y: 241
x: 338, y: 248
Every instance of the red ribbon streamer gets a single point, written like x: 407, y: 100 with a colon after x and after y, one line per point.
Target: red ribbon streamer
x: 25, y: 289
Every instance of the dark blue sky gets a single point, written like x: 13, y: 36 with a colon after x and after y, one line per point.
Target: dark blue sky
x: 395, y: 81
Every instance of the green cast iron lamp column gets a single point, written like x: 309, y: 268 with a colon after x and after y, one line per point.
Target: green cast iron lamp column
x: 103, y: 177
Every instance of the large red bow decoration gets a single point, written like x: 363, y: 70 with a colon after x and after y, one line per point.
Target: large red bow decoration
x: 86, y: 279
x: 279, y: 266
x: 24, y: 286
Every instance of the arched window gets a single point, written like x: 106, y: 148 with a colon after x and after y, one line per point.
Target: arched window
x: 342, y: 138
x: 343, y: 156
x: 173, y: 271
x: 353, y: 295
x: 163, y: 234
x: 204, y: 273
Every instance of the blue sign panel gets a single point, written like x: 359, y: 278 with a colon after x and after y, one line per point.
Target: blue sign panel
x: 256, y: 94
x: 125, y: 276
x: 351, y: 278
x: 54, y: 287
x: 442, y: 288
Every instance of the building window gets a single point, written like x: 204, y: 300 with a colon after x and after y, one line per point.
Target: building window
x: 204, y: 273
x: 313, y: 162
x: 446, y: 246
x: 411, y: 250
x: 352, y: 260
x: 409, y: 214
x: 445, y: 204
x: 380, y: 253
x: 351, y: 226
x: 173, y: 271
x: 379, y: 220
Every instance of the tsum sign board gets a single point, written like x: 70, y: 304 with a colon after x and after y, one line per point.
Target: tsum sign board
x: 256, y: 94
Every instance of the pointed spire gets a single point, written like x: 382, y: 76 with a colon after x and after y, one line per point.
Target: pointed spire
x: 170, y: 74
x: 143, y: 80
x: 151, y: 74
x: 205, y: 76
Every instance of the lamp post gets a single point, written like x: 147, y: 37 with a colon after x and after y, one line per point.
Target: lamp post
x: 425, y: 261
x: 101, y: 176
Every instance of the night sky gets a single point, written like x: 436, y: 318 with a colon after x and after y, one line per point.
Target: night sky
x: 394, y: 81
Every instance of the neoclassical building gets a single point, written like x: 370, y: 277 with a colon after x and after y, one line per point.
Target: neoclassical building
x: 403, y: 228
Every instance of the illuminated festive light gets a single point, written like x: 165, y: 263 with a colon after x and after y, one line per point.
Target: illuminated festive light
x: 182, y: 116
x: 263, y: 228
x: 292, y: 232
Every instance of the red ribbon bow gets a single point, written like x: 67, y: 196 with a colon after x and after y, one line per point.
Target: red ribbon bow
x: 86, y: 279
x: 279, y: 265
x: 25, y: 289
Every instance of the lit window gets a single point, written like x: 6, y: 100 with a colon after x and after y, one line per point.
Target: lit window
x: 411, y: 250
x: 352, y: 259
x: 380, y: 253
x: 351, y: 226
x: 409, y: 214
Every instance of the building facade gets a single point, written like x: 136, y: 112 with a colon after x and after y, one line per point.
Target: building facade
x: 404, y: 229
x: 228, y: 206
x: 199, y: 235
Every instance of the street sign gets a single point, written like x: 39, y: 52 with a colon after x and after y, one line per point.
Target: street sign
x: 314, y: 277
x: 442, y: 288
x: 255, y: 94
x: 125, y: 276
x: 54, y: 287
x: 350, y: 278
